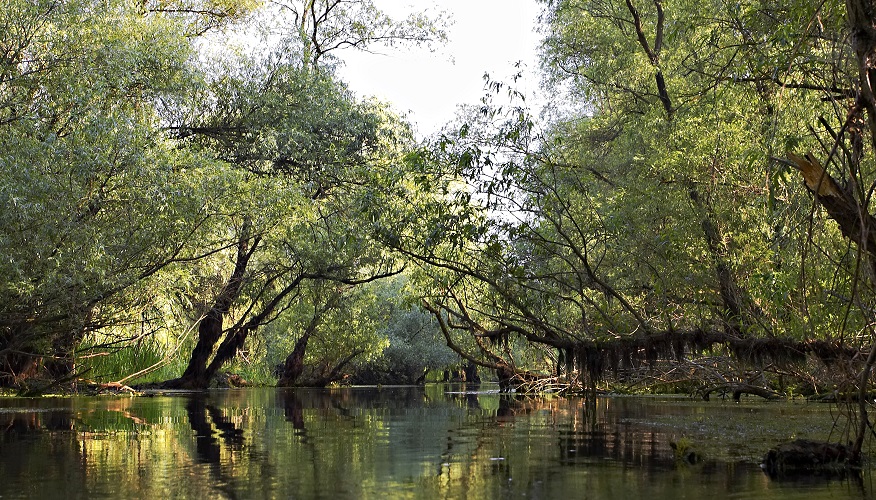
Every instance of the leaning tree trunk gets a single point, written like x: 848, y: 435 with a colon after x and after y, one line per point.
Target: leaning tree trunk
x: 236, y: 336
x: 471, y: 373
x: 293, y: 367
x: 727, y: 287
x: 862, y: 25
x: 196, y: 375
x: 848, y: 206
x: 856, y: 224
x: 335, y: 374
x: 509, y: 376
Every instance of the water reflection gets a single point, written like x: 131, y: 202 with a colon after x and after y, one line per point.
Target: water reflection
x: 293, y: 409
x: 36, y: 422
x: 206, y: 421
x: 437, y: 442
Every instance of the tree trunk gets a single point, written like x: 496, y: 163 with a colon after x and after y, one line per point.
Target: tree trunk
x: 854, y: 217
x: 17, y: 364
x: 734, y: 311
x: 62, y: 362
x: 209, y: 331
x: 196, y: 375
x: 471, y: 373
x: 227, y: 350
x: 236, y: 336
x: 336, y: 373
x: 293, y: 367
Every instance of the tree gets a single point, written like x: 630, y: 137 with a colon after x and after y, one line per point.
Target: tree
x: 170, y: 168
x: 848, y: 204
x: 97, y: 201
x: 321, y: 27
x: 653, y: 225
x: 414, y: 345
x: 286, y: 119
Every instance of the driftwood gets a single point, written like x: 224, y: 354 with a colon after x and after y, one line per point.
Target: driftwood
x: 738, y: 390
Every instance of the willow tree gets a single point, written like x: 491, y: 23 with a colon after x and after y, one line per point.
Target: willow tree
x: 840, y: 177
x: 649, y: 223
x: 136, y: 170
x: 96, y: 202
x: 284, y: 118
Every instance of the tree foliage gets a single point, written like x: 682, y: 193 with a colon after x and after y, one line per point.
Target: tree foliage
x: 95, y: 201
x: 157, y: 188
x: 222, y: 201
x: 659, y: 218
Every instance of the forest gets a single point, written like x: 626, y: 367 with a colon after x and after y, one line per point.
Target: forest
x: 191, y: 192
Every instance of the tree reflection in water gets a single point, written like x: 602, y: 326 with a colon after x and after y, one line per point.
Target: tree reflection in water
x: 412, y: 442
x: 293, y: 410
x: 206, y: 421
x: 36, y: 422
x: 207, y: 446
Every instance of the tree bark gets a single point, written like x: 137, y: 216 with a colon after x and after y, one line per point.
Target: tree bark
x: 336, y: 373
x: 471, y: 373
x: 862, y: 30
x: 653, y: 52
x: 196, y: 375
x: 293, y: 367
x: 728, y: 289
x: 851, y: 212
x: 853, y: 219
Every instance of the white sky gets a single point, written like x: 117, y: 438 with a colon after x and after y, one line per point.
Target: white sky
x: 487, y: 36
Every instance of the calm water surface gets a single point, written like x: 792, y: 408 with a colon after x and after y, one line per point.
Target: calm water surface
x: 437, y: 442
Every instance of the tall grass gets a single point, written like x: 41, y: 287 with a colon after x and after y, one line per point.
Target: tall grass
x: 118, y: 362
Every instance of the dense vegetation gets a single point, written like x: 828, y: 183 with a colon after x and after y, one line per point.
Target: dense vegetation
x: 692, y: 209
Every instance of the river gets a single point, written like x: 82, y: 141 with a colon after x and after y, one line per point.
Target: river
x: 440, y: 441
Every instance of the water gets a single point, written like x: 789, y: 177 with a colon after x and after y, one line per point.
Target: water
x: 437, y: 442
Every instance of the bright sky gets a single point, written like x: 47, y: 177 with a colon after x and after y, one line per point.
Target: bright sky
x: 487, y: 36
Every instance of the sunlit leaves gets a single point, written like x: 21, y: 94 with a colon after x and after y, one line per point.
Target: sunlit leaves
x: 99, y: 201
x: 199, y: 16
x: 320, y: 27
